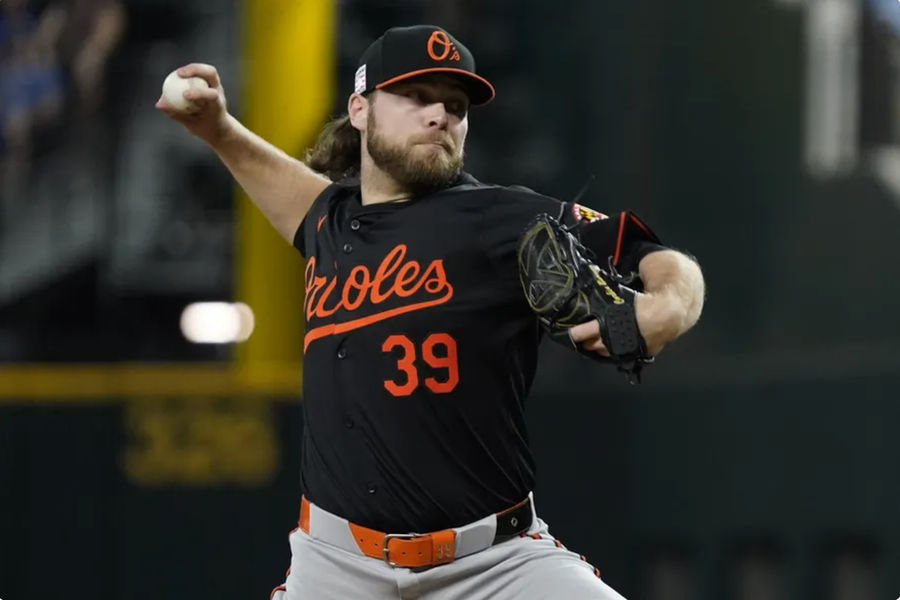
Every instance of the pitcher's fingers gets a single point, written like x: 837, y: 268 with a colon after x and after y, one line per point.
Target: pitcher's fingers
x: 597, y: 347
x: 181, y: 117
x: 163, y: 106
x: 202, y: 94
x: 202, y: 70
x: 585, y: 331
x: 594, y: 344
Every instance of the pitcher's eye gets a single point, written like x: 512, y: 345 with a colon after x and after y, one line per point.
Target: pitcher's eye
x: 456, y: 108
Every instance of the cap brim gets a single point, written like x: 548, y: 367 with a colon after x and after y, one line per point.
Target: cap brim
x: 479, y: 89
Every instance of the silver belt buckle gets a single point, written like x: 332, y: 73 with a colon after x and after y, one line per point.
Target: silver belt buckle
x: 388, y: 537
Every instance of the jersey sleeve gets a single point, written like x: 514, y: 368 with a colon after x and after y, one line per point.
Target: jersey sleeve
x: 623, y: 238
x: 310, y: 221
x: 504, y: 218
x: 300, y: 237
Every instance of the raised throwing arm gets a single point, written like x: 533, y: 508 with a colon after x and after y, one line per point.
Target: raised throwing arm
x: 282, y: 187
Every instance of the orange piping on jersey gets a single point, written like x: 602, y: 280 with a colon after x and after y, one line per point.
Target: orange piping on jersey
x: 336, y: 328
x: 320, y: 221
x: 619, y: 239
x: 641, y: 225
x: 280, y: 588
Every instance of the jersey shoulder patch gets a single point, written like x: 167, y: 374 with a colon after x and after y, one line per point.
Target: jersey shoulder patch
x: 583, y: 214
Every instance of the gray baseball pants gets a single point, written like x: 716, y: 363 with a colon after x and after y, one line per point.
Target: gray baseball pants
x: 532, y: 567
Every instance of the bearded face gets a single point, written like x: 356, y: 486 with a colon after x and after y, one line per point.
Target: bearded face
x: 420, y: 163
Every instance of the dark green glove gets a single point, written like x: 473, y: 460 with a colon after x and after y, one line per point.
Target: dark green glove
x: 564, y: 288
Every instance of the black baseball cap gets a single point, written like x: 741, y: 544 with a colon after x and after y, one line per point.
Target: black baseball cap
x: 404, y: 52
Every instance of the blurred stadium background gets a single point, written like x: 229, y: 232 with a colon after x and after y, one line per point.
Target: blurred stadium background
x: 759, y: 460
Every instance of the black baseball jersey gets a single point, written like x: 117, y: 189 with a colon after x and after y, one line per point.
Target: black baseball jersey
x: 420, y: 349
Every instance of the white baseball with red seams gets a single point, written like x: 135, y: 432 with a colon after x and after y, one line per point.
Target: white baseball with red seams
x: 174, y: 88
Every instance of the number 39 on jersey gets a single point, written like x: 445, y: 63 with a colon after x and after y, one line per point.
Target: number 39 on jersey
x: 431, y: 362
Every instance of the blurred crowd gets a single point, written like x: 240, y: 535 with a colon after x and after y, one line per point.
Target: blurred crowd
x: 53, y: 58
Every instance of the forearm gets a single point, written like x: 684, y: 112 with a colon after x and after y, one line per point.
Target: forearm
x: 282, y: 187
x: 673, y: 298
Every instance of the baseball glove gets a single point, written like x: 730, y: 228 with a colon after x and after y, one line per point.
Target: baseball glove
x: 565, y: 288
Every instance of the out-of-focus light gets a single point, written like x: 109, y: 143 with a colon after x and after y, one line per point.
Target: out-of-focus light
x: 216, y: 322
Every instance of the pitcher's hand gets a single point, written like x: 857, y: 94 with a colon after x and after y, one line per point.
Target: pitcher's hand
x: 211, y: 121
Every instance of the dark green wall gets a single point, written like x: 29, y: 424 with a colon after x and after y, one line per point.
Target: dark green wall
x: 700, y: 476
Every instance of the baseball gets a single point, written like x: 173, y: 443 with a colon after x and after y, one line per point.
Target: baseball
x: 173, y: 92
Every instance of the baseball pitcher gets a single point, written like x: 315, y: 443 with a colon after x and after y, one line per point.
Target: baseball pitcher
x: 427, y: 293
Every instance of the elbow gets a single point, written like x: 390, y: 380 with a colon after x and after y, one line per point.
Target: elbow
x: 692, y: 292
x: 678, y: 279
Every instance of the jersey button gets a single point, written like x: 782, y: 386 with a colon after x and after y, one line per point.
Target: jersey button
x: 342, y: 353
x: 354, y: 225
x: 348, y: 248
x: 371, y: 488
x: 348, y: 424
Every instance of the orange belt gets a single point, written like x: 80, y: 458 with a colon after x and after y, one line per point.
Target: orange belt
x: 408, y: 550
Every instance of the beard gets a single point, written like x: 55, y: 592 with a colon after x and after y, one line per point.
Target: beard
x: 416, y: 167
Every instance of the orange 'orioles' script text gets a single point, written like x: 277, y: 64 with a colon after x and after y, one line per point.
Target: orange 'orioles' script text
x: 394, y: 277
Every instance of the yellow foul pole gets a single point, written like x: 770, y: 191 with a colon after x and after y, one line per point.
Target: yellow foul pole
x: 288, y: 75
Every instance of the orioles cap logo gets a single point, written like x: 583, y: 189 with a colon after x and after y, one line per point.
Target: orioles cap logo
x: 440, y: 47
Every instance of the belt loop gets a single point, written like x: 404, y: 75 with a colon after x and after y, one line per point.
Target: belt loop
x: 443, y: 546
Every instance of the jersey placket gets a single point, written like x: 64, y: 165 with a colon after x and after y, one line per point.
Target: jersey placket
x: 350, y: 351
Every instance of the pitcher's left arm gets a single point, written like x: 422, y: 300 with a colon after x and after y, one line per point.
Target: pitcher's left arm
x: 671, y: 303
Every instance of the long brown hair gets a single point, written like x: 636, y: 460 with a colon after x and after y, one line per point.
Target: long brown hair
x: 337, y: 151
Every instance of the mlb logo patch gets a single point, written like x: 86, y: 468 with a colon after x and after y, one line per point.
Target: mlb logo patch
x: 359, y: 82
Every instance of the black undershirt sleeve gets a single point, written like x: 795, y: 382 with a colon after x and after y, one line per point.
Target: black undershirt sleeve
x: 618, y: 238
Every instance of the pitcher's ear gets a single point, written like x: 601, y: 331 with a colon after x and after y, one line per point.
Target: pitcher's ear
x: 358, y: 110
